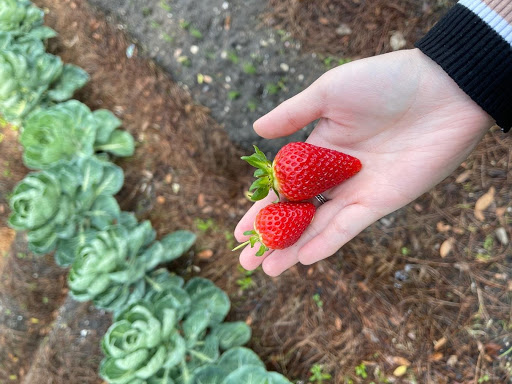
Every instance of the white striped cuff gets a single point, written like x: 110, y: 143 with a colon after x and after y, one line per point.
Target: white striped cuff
x: 490, y: 17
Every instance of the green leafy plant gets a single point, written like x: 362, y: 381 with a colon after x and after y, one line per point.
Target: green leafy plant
x: 246, y: 281
x: 249, y: 68
x: 164, y: 331
x: 361, y: 371
x: 233, y: 95
x: 318, y: 375
x: 33, y: 79
x: 194, y: 32
x: 21, y: 18
x: 69, y: 130
x: 318, y: 301
x: 166, y: 7
x: 111, y: 264
x: 275, y: 88
x: 53, y: 204
x: 177, y: 333
x: 233, y: 57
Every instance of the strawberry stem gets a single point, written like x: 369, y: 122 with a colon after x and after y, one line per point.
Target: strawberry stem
x: 264, y: 175
x: 255, y: 238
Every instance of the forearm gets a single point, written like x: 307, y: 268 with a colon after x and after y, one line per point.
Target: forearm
x: 473, y: 44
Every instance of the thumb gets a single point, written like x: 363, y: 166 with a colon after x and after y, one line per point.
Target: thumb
x: 293, y: 114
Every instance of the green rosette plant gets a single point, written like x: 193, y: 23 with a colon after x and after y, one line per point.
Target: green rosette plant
x: 22, y: 18
x: 110, y: 265
x: 238, y: 365
x: 68, y: 130
x: 190, y: 338
x: 165, y: 331
x: 56, y: 204
x: 30, y: 80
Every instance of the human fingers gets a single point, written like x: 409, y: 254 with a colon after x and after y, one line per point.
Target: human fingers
x: 293, y: 114
x: 280, y: 260
x: 248, y: 258
x: 343, y: 226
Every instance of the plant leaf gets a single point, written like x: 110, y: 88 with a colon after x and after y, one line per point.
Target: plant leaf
x: 71, y: 79
x: 120, y: 143
x: 106, y: 123
x: 239, y: 357
x: 176, y: 244
x: 232, y: 334
x: 104, y: 212
x: 209, y: 374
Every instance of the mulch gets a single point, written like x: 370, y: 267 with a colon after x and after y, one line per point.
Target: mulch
x: 386, y: 299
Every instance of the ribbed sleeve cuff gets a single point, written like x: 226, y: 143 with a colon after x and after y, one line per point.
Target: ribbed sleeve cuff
x: 476, y: 57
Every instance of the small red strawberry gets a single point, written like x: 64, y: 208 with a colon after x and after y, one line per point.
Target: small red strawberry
x: 300, y: 171
x: 280, y: 225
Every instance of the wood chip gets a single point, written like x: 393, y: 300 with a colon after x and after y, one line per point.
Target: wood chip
x: 323, y: 20
x: 442, y: 227
x: 7, y: 236
x: 160, y: 199
x: 440, y: 343
x: 452, y: 360
x: 436, y: 356
x: 227, y: 23
x: 200, y: 200
x: 485, y: 200
x: 401, y: 361
x: 338, y: 323
x: 458, y: 230
x: 400, y: 371
x: 483, y: 203
x: 418, y: 207
x: 446, y: 247
x: 205, y: 254
x: 464, y: 176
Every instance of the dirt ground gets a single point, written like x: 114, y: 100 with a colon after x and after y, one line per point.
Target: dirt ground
x: 422, y: 296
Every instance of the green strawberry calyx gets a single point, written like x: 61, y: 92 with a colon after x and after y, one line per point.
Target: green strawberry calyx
x: 265, y: 179
x: 255, y: 238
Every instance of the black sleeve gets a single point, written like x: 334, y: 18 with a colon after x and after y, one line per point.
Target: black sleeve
x: 470, y: 44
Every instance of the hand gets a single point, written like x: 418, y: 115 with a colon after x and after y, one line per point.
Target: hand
x: 401, y: 115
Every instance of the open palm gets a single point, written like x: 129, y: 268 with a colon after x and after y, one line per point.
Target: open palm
x: 401, y: 115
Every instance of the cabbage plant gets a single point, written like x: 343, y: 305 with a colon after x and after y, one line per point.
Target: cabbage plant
x: 53, y: 205
x: 29, y: 81
x: 171, y: 336
x: 68, y: 130
x: 22, y: 18
x: 110, y: 265
x: 164, y: 331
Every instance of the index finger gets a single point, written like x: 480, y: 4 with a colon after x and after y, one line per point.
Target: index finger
x: 293, y: 114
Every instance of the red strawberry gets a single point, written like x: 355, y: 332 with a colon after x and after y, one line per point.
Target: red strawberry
x: 280, y: 225
x: 300, y: 171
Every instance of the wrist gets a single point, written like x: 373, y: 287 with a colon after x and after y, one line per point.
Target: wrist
x: 473, y: 45
x: 436, y: 81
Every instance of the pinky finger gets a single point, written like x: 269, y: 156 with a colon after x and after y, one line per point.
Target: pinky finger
x: 348, y: 223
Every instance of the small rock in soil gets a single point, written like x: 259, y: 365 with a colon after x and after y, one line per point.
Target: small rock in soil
x: 344, y: 30
x: 397, y: 41
x: 502, y: 235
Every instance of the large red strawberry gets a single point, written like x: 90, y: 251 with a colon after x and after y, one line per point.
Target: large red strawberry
x: 300, y: 171
x: 280, y: 225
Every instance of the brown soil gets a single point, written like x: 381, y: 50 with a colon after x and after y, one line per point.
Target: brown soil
x: 371, y: 23
x: 387, y: 299
x: 31, y: 290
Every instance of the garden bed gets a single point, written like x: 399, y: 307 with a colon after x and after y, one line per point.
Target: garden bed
x: 388, y: 299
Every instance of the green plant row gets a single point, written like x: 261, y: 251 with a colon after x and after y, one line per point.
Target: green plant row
x: 165, y: 330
